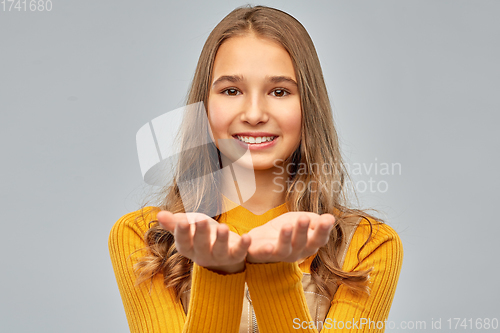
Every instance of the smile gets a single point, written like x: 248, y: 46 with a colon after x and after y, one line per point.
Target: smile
x: 256, y: 143
x: 255, y: 140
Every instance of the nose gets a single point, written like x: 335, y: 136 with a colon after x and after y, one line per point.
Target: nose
x: 255, y: 110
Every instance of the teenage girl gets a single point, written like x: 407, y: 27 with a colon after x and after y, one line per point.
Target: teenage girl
x: 255, y: 232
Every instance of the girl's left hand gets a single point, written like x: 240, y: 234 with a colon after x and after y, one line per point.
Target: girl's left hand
x: 290, y: 237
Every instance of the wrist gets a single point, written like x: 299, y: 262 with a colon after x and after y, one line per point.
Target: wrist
x: 261, y: 262
x: 228, y: 269
x: 251, y: 260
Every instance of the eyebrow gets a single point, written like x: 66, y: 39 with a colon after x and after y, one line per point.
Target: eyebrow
x: 239, y: 78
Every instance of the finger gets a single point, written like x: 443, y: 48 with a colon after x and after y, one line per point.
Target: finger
x: 315, y: 221
x: 321, y: 234
x: 166, y: 220
x: 284, y: 247
x: 266, y: 251
x: 220, y: 248
x: 183, y: 239
x: 196, y: 217
x: 188, y: 218
x: 262, y: 253
x: 299, y: 238
x: 239, y: 252
x: 201, y: 240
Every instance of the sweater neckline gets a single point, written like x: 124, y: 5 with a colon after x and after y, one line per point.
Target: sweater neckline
x: 245, y: 216
x: 231, y: 205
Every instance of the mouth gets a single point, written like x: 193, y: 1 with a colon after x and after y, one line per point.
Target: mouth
x: 251, y: 140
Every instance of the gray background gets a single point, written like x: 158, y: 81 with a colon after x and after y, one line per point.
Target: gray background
x: 411, y: 82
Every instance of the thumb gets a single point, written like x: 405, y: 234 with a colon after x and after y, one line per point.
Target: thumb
x: 166, y: 220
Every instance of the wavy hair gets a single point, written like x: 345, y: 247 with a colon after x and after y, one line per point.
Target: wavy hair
x: 319, y: 146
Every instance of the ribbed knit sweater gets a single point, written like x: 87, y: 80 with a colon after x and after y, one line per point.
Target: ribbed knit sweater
x: 276, y: 288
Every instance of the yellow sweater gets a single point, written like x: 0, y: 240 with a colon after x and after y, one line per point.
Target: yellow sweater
x: 276, y: 288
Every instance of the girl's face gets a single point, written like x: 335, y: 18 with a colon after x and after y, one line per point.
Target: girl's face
x: 254, y: 94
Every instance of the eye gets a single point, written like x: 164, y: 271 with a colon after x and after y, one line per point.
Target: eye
x: 281, y: 92
x: 232, y: 91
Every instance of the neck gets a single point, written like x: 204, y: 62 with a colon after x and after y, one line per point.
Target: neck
x: 256, y: 190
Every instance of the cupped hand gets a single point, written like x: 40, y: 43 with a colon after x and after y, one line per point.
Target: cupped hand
x: 205, y: 241
x: 290, y: 237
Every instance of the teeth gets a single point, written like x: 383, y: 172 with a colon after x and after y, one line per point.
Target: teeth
x: 251, y: 139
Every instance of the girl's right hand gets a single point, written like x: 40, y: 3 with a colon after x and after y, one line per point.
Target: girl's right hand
x: 205, y: 241
x: 290, y: 237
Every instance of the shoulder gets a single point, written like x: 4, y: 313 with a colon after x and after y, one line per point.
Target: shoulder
x: 380, y: 232
x: 133, y: 223
x: 374, y: 241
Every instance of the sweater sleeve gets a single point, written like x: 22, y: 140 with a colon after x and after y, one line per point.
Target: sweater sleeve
x: 362, y: 312
x: 216, y: 300
x: 279, y: 300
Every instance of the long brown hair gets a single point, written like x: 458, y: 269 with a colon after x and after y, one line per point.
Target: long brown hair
x: 319, y: 146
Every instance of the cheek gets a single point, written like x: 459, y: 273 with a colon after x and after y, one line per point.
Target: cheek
x: 217, y: 117
x: 291, y: 121
x: 291, y: 127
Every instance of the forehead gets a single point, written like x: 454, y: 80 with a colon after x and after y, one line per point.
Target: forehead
x: 252, y: 56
